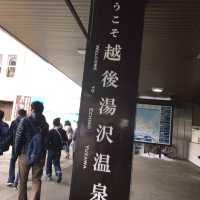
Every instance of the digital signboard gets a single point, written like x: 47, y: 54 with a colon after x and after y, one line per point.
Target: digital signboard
x: 153, y: 123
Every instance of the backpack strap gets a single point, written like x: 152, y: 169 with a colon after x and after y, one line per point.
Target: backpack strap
x: 59, y: 134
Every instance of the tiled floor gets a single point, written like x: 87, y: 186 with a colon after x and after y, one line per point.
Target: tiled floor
x: 152, y: 179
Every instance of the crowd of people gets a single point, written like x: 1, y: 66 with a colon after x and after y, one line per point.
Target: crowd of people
x: 33, y: 145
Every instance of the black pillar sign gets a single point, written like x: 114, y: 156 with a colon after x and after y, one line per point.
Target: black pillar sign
x: 102, y: 165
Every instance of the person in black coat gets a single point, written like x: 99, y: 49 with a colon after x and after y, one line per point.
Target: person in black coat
x: 29, y: 127
x: 12, y: 133
x: 57, y: 140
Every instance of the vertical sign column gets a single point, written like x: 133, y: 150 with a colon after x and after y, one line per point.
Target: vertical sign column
x: 102, y: 164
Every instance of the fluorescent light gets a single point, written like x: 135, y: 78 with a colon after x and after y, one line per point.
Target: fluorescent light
x: 157, y: 90
x: 81, y: 51
x: 156, y: 98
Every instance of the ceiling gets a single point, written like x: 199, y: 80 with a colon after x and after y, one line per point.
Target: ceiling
x: 171, y: 41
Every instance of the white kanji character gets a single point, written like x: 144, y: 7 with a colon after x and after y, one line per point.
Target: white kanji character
x: 99, y: 192
x: 113, y: 53
x: 107, y: 106
x: 104, y: 132
x: 102, y: 163
x: 114, y: 32
x: 116, y: 6
x: 115, y: 20
x: 110, y: 79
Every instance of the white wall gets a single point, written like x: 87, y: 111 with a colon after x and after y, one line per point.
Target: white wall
x: 35, y: 77
x: 8, y: 46
x: 194, y: 152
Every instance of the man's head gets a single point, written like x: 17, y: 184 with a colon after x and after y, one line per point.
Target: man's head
x: 1, y: 115
x: 21, y: 113
x: 56, y: 122
x: 67, y: 123
x: 37, y: 107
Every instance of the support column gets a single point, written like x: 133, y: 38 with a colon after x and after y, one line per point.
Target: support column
x: 102, y: 165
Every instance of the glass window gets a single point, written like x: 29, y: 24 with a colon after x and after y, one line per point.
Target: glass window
x: 10, y: 72
x: 12, y: 62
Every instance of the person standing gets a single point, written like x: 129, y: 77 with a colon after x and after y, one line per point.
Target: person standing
x: 28, y: 128
x: 69, y: 131
x: 12, y: 180
x: 4, y: 134
x: 74, y: 139
x: 57, y: 139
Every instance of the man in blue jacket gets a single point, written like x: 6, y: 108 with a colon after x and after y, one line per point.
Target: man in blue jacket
x: 27, y: 129
x: 4, y: 134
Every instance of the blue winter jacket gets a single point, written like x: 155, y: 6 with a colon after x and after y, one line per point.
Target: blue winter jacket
x: 4, y: 137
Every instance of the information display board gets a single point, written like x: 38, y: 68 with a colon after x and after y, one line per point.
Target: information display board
x: 153, y: 123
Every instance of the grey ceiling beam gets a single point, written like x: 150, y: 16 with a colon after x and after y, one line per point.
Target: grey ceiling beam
x: 77, y: 18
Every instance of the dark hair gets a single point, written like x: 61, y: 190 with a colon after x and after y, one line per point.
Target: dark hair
x: 67, y: 123
x: 56, y: 121
x: 1, y: 115
x: 37, y: 107
x: 22, y: 112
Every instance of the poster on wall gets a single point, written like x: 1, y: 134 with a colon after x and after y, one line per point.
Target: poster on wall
x: 103, y: 156
x: 22, y: 102
x: 153, y: 124
x: 196, y: 135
